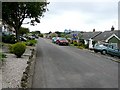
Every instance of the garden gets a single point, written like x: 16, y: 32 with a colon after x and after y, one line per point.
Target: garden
x: 14, y: 57
x: 79, y: 44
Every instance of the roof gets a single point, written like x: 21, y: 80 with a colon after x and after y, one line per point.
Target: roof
x: 106, y: 34
x: 75, y: 32
x: 88, y: 35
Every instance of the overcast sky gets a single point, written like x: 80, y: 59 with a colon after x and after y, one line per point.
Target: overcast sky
x: 80, y: 15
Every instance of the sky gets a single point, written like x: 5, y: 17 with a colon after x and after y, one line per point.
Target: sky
x: 78, y: 15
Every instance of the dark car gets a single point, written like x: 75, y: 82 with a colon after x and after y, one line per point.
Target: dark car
x: 113, y: 51
x: 62, y: 41
x: 22, y: 38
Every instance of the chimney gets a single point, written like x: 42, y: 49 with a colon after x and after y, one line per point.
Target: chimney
x: 112, y: 28
x: 93, y: 30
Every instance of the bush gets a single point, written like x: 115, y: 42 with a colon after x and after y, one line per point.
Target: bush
x: 82, y: 41
x: 18, y: 49
x: 31, y: 42
x: 2, y: 56
x: 40, y: 35
x: 80, y: 47
x: 86, y: 46
x: 9, y: 39
x: 80, y: 44
x: 75, y: 43
x: 10, y: 47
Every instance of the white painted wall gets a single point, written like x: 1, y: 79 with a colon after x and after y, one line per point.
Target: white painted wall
x: 86, y: 42
x: 90, y: 44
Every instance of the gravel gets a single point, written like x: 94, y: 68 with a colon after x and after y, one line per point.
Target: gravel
x: 12, y: 70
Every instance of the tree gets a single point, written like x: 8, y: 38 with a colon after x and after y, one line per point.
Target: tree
x: 59, y: 33
x: 41, y: 35
x: 53, y: 35
x: 14, y: 13
x: 23, y: 31
x: 36, y: 32
x: 49, y: 32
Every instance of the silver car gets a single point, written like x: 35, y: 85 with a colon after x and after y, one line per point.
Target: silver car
x: 100, y: 48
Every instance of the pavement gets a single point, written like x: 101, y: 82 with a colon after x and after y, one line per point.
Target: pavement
x: 12, y: 69
x: 69, y: 67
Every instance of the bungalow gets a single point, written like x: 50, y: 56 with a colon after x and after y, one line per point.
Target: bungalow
x: 88, y: 37
x: 111, y: 37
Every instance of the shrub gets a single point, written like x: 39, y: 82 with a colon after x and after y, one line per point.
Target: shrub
x: 80, y: 44
x: 75, y: 43
x: 9, y: 39
x: 80, y: 47
x: 31, y: 42
x: 40, y: 35
x: 2, y: 56
x: 86, y: 46
x: 10, y: 47
x: 18, y: 49
x: 82, y: 41
x: 69, y: 40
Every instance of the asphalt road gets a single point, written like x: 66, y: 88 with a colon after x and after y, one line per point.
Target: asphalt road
x: 68, y: 67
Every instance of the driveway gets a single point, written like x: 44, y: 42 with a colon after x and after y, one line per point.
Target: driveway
x: 68, y: 67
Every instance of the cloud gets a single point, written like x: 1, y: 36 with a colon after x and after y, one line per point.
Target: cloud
x: 83, y: 0
x: 79, y: 16
x: 103, y: 9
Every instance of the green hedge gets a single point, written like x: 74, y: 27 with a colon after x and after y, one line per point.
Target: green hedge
x: 31, y: 42
x: 9, y: 39
x: 40, y: 35
x: 75, y: 43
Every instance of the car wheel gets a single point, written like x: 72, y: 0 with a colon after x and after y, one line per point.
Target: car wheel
x: 104, y: 52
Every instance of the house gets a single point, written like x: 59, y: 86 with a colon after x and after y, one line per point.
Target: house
x: 88, y: 37
x: 112, y: 37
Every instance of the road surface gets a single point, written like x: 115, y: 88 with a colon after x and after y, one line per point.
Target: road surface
x: 68, y: 67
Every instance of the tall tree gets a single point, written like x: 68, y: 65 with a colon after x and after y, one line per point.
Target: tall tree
x: 36, y: 32
x: 13, y: 13
x: 23, y: 30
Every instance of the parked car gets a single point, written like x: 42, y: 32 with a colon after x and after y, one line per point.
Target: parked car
x: 22, y: 38
x: 100, y: 48
x: 31, y: 37
x: 113, y: 51
x: 62, y: 41
x: 54, y: 39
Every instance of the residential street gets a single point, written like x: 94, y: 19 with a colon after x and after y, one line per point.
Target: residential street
x: 69, y: 67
